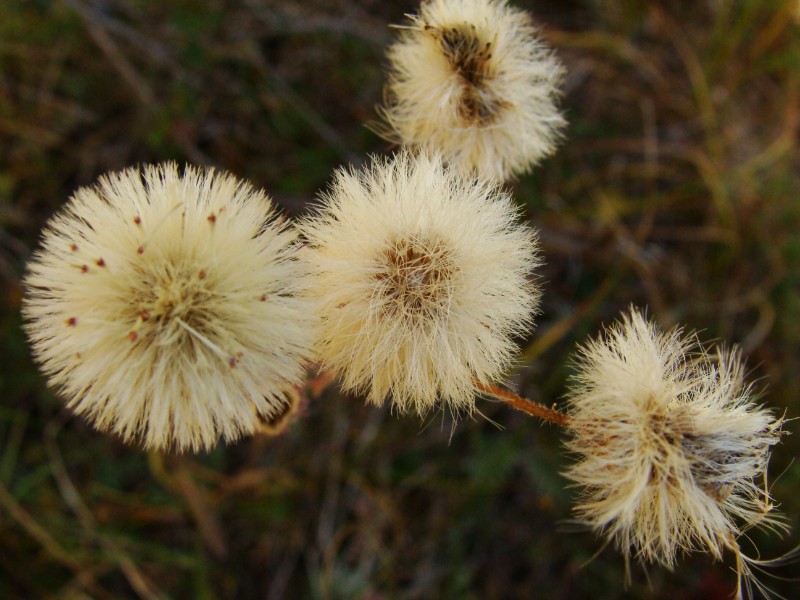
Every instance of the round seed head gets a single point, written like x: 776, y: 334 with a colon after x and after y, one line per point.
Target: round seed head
x: 472, y: 80
x: 671, y: 449
x: 165, y: 307
x: 422, y: 279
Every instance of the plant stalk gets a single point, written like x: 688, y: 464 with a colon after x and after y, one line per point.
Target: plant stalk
x: 534, y: 409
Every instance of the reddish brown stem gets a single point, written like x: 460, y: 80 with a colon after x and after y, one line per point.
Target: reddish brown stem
x: 530, y: 408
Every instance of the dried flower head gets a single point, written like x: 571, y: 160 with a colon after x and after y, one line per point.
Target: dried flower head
x: 471, y: 79
x: 672, y: 451
x: 422, y: 279
x: 166, y: 310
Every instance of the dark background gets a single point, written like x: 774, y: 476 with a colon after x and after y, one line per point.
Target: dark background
x: 677, y: 188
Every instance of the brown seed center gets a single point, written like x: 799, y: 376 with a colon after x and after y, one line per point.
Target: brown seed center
x: 470, y: 57
x: 415, y: 276
x: 174, y: 295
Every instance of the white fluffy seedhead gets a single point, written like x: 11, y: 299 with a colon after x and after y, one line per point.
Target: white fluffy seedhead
x: 671, y: 450
x: 421, y: 281
x: 166, y: 309
x: 472, y: 80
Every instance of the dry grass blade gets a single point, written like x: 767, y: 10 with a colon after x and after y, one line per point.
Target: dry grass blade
x: 138, y: 581
x: 210, y: 527
x: 49, y: 544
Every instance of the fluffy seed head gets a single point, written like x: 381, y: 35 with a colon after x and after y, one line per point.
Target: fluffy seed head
x: 671, y: 450
x: 422, y: 279
x: 471, y: 79
x: 166, y: 309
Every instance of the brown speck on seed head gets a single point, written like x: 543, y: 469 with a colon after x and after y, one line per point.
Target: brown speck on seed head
x: 73, y: 247
x: 72, y: 321
x: 232, y: 362
x: 137, y: 219
x: 84, y: 268
x: 212, y: 218
x: 263, y: 297
x: 201, y: 274
x: 140, y: 250
x: 100, y: 262
x: 144, y: 315
x: 133, y: 336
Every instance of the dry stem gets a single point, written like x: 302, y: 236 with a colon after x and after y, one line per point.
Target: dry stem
x: 533, y: 409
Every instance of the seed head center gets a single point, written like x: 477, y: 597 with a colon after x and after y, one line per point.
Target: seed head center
x: 470, y: 57
x: 466, y: 52
x: 169, y: 301
x: 181, y: 296
x: 707, y: 458
x: 415, y: 275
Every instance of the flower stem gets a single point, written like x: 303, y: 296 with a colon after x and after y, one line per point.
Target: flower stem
x: 533, y: 409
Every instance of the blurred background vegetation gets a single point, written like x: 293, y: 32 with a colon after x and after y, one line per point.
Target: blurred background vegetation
x: 678, y: 188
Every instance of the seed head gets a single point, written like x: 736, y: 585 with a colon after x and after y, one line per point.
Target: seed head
x: 671, y: 450
x: 148, y: 315
x: 471, y: 79
x: 422, y: 279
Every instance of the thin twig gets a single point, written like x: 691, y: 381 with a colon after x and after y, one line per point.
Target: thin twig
x: 533, y: 409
